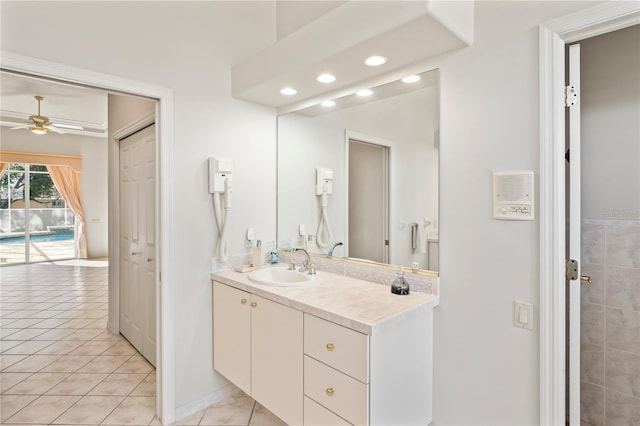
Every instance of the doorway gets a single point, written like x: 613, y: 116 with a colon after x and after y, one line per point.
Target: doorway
x: 165, y: 407
x: 610, y: 227
x: 368, y: 220
x: 554, y: 35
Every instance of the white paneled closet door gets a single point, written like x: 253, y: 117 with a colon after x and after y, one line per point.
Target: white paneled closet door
x: 137, y: 241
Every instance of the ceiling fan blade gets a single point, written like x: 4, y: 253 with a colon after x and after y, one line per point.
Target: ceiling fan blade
x: 55, y: 129
x: 24, y: 126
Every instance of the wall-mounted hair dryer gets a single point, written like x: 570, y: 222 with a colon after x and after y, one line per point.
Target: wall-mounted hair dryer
x: 324, y: 187
x: 220, y: 186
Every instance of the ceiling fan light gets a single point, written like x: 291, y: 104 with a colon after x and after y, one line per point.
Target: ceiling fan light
x: 39, y: 130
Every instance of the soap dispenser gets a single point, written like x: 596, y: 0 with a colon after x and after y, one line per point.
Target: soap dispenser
x: 258, y: 254
x: 400, y: 285
x: 273, y: 254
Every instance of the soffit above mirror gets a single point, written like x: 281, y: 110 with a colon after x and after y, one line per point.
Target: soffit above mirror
x: 340, y: 39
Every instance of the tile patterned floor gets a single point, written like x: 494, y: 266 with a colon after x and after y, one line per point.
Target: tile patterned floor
x: 59, y: 365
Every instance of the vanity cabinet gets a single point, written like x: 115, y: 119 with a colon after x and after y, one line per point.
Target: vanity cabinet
x: 257, y: 345
x: 343, y: 352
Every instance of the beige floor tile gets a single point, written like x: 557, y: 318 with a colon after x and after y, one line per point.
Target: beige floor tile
x: 107, y: 335
x: 25, y: 334
x: 51, y: 323
x: 68, y: 364
x: 89, y: 410
x: 8, y: 360
x: 235, y: 410
x: 8, y: 380
x: 36, y: 384
x: 83, y: 334
x: 11, y: 404
x: 8, y: 344
x: 29, y: 347
x: 118, y: 384
x: 263, y: 417
x: 104, y: 364
x: 61, y: 347
x: 77, y: 384
x: 147, y: 387
x: 31, y: 364
x: 136, y: 364
x: 193, y: 419
x: 120, y: 348
x: 155, y: 422
x: 55, y: 334
x: 43, y: 410
x: 134, y: 410
x: 92, y: 347
x: 5, y: 331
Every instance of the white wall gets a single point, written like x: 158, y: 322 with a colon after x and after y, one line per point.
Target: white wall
x: 486, y: 371
x: 611, y: 125
x: 94, y: 174
x: 406, y: 122
x: 189, y: 47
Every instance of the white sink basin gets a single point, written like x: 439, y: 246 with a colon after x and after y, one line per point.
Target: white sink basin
x: 280, y: 277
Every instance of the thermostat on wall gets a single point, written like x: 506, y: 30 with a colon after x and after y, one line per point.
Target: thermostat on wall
x: 513, y: 195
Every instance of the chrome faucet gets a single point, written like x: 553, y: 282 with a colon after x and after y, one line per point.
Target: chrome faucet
x: 306, y: 261
x: 333, y: 248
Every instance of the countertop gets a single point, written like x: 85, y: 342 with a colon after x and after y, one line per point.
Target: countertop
x: 360, y: 305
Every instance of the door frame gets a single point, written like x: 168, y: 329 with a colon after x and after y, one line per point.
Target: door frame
x: 373, y: 140
x: 165, y: 369
x: 553, y: 36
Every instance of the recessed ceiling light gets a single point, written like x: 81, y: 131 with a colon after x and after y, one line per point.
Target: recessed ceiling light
x: 364, y: 92
x: 288, y: 91
x: 326, y: 78
x: 374, y: 61
x: 411, y: 79
x: 327, y: 103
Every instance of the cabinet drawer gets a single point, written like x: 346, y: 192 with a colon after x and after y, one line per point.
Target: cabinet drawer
x: 316, y: 415
x: 341, y: 348
x: 344, y: 395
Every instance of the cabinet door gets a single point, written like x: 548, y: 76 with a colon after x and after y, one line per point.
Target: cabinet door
x: 277, y: 360
x: 232, y: 335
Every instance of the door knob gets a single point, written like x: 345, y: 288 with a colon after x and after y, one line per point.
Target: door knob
x: 134, y: 253
x: 149, y: 259
x: 586, y: 278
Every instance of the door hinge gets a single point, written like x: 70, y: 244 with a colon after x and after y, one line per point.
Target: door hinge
x: 570, y: 96
x: 571, y: 270
x: 567, y: 155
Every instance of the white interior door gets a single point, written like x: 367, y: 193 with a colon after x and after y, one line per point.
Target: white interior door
x: 368, y: 201
x: 137, y: 242
x: 574, y: 233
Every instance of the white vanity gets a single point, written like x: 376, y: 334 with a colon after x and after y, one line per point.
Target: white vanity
x: 338, y: 351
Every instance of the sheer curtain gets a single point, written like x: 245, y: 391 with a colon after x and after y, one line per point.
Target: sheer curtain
x: 3, y: 167
x: 67, y: 182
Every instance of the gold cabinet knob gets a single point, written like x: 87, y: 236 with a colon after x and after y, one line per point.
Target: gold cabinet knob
x: 330, y: 347
x: 243, y: 301
x: 254, y: 304
x: 329, y: 391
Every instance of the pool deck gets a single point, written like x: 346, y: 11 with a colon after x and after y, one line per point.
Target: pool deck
x: 11, y: 253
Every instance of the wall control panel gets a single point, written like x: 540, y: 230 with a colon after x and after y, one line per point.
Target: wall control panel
x: 513, y: 195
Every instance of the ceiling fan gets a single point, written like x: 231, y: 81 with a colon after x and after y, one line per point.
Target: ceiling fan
x: 40, y: 125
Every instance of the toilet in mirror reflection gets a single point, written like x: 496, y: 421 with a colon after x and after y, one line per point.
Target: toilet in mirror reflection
x: 383, y: 151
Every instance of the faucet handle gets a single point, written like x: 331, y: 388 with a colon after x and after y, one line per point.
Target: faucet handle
x: 312, y: 269
x: 292, y: 265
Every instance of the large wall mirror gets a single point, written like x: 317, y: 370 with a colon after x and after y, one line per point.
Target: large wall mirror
x: 364, y: 172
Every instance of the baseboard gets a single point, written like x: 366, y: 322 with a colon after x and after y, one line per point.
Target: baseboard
x: 189, y: 408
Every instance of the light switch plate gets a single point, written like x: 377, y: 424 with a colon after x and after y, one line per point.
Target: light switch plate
x: 523, y: 315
